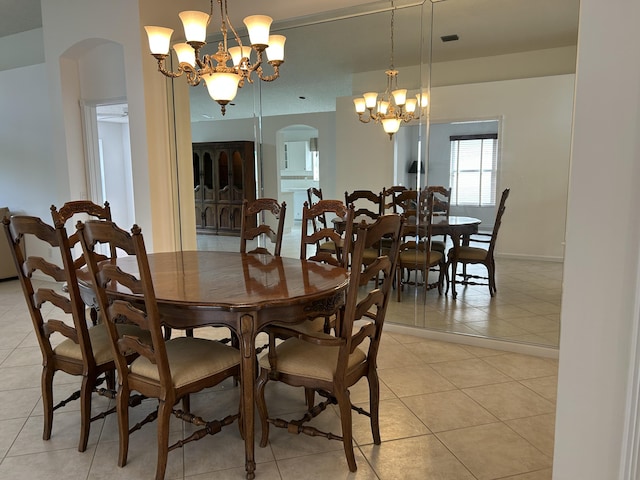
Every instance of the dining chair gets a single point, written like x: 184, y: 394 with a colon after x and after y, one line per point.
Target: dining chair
x: 388, y: 198
x: 262, y: 207
x: 80, y: 209
x: 416, y: 253
x: 367, y: 205
x: 329, y: 244
x: 330, y: 365
x: 66, y: 341
x: 441, y: 208
x: 474, y: 255
x: 314, y: 195
x: 168, y: 370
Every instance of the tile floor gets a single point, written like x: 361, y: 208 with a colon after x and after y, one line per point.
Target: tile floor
x: 448, y: 411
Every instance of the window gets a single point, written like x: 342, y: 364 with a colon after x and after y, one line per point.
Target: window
x: 473, y: 169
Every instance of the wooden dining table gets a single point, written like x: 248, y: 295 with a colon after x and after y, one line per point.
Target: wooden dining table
x: 245, y: 292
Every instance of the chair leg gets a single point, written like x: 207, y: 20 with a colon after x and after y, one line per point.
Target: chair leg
x: 164, y: 415
x: 309, y: 395
x: 344, y: 404
x: 454, y: 268
x: 262, y: 407
x: 399, y: 282
x: 122, y: 407
x: 85, y: 411
x: 47, y: 401
x: 374, y: 405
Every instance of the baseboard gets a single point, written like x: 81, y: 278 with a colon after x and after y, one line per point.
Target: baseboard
x: 475, y: 341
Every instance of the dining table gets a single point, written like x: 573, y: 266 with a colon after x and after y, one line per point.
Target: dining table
x: 246, y: 293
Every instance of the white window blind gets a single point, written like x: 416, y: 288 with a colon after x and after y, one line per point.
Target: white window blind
x: 473, y: 169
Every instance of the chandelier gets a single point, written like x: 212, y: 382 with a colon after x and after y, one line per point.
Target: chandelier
x: 393, y: 107
x: 221, y: 79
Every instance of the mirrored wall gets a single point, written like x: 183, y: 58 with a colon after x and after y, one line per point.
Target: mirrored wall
x: 522, y: 91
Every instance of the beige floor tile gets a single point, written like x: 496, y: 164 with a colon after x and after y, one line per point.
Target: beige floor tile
x: 493, y: 451
x: 496, y: 328
x: 396, y: 421
x: 9, y: 430
x: 359, y: 393
x: 544, y: 474
x: 68, y: 464
x: 431, y: 351
x: 415, y: 381
x: 65, y: 434
x: 544, y: 386
x: 535, y: 324
x: 510, y: 400
x: 538, y: 430
x: 391, y: 356
x: 10, y: 408
x: 4, y: 353
x: 471, y: 372
x: 521, y: 367
x: 415, y: 458
x: 324, y: 466
x: 23, y: 356
x: 448, y: 410
x: 264, y: 471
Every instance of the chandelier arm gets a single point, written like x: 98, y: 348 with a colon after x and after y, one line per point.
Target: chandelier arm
x: 272, y: 77
x: 162, y: 67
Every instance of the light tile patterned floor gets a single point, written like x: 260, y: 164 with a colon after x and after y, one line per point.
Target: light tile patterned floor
x: 448, y: 411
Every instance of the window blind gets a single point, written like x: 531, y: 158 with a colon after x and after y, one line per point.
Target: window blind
x: 473, y: 169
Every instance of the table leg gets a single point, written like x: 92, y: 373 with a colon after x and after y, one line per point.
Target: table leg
x: 247, y: 340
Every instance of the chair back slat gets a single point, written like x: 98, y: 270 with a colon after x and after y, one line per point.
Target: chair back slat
x: 365, y: 203
x: 311, y: 236
x: 261, y: 207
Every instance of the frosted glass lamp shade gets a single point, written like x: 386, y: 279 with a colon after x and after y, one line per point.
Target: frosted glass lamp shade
x: 195, y: 25
x: 359, y: 104
x: 159, y: 39
x: 400, y: 96
x: 258, y: 26
x: 411, y: 104
x: 275, y: 52
x: 370, y: 99
x: 238, y: 53
x: 423, y: 99
x: 222, y: 86
x: 185, y: 53
x: 383, y: 107
x: 391, y: 125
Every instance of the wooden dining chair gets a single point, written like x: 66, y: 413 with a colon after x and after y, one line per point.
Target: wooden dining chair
x: 441, y: 208
x: 264, y: 229
x: 416, y: 253
x: 367, y: 205
x: 388, y: 198
x: 168, y: 370
x: 329, y: 245
x: 60, y: 312
x: 330, y: 365
x: 79, y: 210
x: 474, y: 255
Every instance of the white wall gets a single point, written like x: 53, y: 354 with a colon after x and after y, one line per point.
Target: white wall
x: 597, y: 410
x: 535, y: 149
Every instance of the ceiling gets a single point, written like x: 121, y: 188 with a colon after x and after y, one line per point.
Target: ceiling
x: 329, y: 41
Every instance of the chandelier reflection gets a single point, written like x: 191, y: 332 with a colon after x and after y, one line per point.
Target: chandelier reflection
x: 393, y: 107
x: 222, y: 80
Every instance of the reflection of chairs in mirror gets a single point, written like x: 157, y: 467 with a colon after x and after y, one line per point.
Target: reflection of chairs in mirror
x: 166, y: 370
x: 441, y: 208
x: 368, y: 206
x: 474, y: 255
x: 389, y: 195
x: 80, y: 210
x: 331, y: 365
x: 262, y: 207
x: 327, y: 242
x: 58, y: 311
x: 416, y: 254
x: 264, y: 273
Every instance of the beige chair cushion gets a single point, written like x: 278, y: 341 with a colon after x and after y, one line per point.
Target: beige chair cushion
x: 297, y: 357
x: 411, y: 257
x: 471, y: 253
x: 100, y: 343
x: 190, y: 360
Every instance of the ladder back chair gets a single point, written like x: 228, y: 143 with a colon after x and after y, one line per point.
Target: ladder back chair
x: 83, y: 351
x: 166, y: 370
x: 261, y: 207
x: 80, y: 210
x: 416, y: 253
x: 441, y: 208
x: 329, y: 244
x: 472, y: 255
x: 389, y: 195
x: 330, y: 365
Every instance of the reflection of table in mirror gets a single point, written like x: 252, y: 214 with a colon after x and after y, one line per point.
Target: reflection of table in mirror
x: 244, y: 292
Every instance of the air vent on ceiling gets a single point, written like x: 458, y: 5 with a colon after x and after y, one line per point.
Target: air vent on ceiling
x: 449, y: 38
